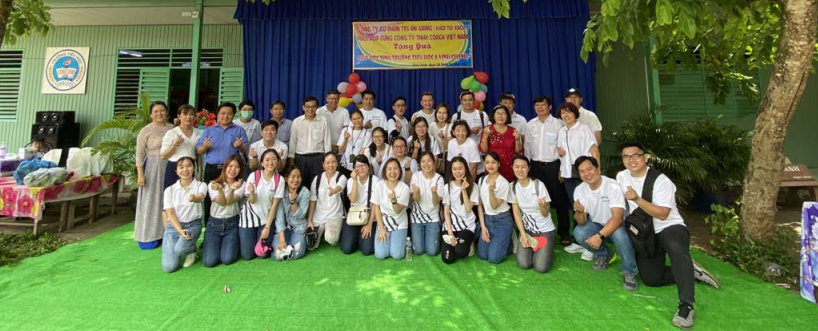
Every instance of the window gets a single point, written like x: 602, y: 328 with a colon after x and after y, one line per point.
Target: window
x: 11, y: 63
x: 685, y: 96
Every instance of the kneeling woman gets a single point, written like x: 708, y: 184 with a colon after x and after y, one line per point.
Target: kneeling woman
x: 495, y: 218
x: 221, y: 240
x: 459, y: 196
x: 264, y: 191
x: 181, y: 205
x: 389, y: 201
x: 530, y: 204
x: 426, y: 209
x: 360, y: 188
x: 291, y: 225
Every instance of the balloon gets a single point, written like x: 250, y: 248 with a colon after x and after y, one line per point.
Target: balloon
x: 475, y: 86
x: 351, y: 89
x: 342, y: 86
x: 480, y: 96
x: 359, y: 106
x: 344, y: 102
x: 354, y: 78
x: 345, y: 95
x: 481, y: 77
x: 357, y: 98
x: 466, y: 82
x: 483, y: 88
x: 478, y: 105
x: 481, y: 106
x: 361, y: 86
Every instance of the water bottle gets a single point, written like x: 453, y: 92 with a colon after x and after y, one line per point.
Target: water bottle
x: 408, y: 249
x: 3, y: 150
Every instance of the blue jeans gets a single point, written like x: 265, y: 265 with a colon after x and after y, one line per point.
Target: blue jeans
x: 425, y: 238
x: 293, y: 238
x: 248, y: 237
x: 221, y: 241
x: 620, y: 239
x: 500, y: 228
x: 394, y: 245
x: 176, y: 247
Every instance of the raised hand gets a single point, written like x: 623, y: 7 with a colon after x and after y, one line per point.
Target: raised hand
x: 237, y: 143
x: 415, y: 189
x: 250, y: 188
x: 464, y: 185
x: 631, y: 194
x: 253, y: 154
x: 237, y: 184
x: 346, y: 135
x: 207, y: 143
x: 578, y: 207
x: 178, y: 141
x: 391, y: 194
x: 516, y: 134
x: 192, y: 198
x: 216, y: 186
x: 541, y: 201
x: 398, y: 125
x: 368, y: 124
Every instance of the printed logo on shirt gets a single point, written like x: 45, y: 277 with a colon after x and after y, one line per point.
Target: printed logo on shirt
x: 605, y: 199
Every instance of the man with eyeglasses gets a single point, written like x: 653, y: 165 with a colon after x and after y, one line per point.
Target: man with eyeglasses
x: 309, y: 140
x: 671, y: 236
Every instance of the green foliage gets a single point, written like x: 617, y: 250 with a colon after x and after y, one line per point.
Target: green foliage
x: 27, y: 16
x: 728, y: 37
x: 700, y: 155
x: 119, y: 136
x: 15, y: 247
x: 748, y: 255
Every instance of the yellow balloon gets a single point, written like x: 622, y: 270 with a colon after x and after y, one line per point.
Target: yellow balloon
x: 344, y: 102
x: 359, y: 106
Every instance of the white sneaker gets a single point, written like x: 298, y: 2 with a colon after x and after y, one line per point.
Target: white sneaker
x: 189, y: 260
x: 588, y: 255
x: 574, y: 248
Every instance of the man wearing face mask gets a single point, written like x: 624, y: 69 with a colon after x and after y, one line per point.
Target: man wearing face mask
x: 251, y: 126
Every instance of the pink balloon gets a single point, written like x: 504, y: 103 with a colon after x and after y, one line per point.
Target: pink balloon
x: 480, y: 96
x: 361, y: 86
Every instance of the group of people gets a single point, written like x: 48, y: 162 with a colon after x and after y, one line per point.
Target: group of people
x: 455, y: 183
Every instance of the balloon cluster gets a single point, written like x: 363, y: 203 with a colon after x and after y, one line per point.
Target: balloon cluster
x: 477, y: 84
x: 351, y: 91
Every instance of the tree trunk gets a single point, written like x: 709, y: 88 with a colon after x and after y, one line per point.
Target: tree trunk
x: 5, y: 11
x: 787, y: 83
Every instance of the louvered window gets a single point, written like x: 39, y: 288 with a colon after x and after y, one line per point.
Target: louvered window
x: 685, y: 96
x: 11, y: 64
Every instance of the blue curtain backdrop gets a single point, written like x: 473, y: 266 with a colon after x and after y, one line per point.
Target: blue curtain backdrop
x: 299, y: 48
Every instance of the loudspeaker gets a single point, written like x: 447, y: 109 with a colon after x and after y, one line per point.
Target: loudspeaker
x: 63, y: 136
x: 44, y: 117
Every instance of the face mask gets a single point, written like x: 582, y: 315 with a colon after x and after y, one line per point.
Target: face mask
x: 246, y: 114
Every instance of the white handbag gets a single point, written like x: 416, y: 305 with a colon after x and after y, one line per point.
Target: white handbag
x: 359, y: 215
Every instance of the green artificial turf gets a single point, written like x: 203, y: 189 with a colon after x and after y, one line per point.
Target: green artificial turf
x: 107, y: 283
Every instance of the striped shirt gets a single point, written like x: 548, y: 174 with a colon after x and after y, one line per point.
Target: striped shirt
x: 391, y: 220
x: 526, y: 199
x: 462, y: 219
x: 425, y: 210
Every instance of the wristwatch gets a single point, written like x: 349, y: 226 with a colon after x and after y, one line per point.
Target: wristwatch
x: 601, y: 236
x: 394, y: 202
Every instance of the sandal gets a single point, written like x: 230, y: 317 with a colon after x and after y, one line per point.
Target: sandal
x: 565, y: 242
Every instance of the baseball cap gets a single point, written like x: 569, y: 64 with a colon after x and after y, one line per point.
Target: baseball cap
x: 573, y: 90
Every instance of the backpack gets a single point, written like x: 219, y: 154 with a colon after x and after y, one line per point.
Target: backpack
x: 247, y: 214
x: 639, y: 224
x: 344, y: 201
x: 482, y: 119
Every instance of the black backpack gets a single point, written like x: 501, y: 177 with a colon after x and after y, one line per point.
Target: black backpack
x: 639, y: 224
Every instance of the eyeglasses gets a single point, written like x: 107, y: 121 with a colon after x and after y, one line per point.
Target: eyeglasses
x: 398, y: 146
x: 400, y: 106
x: 632, y: 156
x: 360, y: 166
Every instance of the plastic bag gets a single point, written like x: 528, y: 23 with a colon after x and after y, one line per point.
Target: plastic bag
x: 46, y: 177
x: 27, y: 167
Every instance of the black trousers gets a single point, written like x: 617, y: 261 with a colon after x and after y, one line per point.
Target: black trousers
x: 351, y: 240
x: 311, y: 165
x: 675, y: 241
x: 459, y: 251
x: 211, y: 172
x: 549, y: 174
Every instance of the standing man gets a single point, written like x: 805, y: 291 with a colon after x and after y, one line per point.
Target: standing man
x: 427, y: 111
x: 517, y: 121
x: 599, y: 207
x: 373, y: 117
x: 586, y: 116
x: 309, y: 140
x: 671, y: 236
x: 337, y: 117
x: 541, y: 149
x: 476, y: 119
x: 277, y: 109
x: 251, y: 126
x: 219, y: 142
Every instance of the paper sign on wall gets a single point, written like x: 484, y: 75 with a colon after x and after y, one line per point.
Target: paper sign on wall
x: 66, y: 70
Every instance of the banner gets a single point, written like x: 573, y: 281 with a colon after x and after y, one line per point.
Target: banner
x: 809, y: 251
x: 66, y: 70
x: 411, y: 45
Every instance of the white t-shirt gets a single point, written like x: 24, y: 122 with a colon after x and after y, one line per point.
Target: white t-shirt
x: 477, y: 118
x: 462, y: 219
x: 359, y: 140
x: 338, y: 120
x: 500, y: 192
x: 178, y: 198
x: 590, y: 119
x: 373, y: 160
x: 377, y: 117
x: 430, y: 119
x: 380, y: 195
x: 219, y: 211
x: 404, y: 130
x: 598, y: 203
x: 519, y: 123
x: 252, y: 129
x: 278, y: 145
x: 186, y: 148
x: 664, y: 195
x: 576, y: 142
x: 526, y: 198
x: 447, y: 131
x: 425, y: 211
x: 327, y: 207
x: 434, y: 145
x: 468, y: 151
x: 265, y: 192
x: 363, y: 198
x: 413, y: 166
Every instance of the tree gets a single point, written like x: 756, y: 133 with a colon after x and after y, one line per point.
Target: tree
x: 19, y: 18
x: 729, y: 38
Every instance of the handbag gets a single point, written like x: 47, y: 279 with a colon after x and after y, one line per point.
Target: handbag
x: 639, y: 224
x: 359, y: 215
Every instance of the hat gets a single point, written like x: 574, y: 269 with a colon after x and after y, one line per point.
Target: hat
x: 262, y: 248
x: 573, y: 90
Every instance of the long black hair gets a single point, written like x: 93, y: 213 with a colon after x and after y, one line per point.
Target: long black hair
x: 427, y: 145
x: 373, y: 150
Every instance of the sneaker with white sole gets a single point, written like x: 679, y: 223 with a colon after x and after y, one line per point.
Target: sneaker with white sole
x: 684, y: 316
x: 189, y: 260
x: 704, y: 276
x: 573, y: 248
x: 588, y: 255
x: 630, y: 283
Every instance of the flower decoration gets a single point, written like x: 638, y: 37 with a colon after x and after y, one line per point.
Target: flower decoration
x: 204, y: 117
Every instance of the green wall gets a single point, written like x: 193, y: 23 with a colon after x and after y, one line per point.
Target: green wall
x: 95, y: 106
